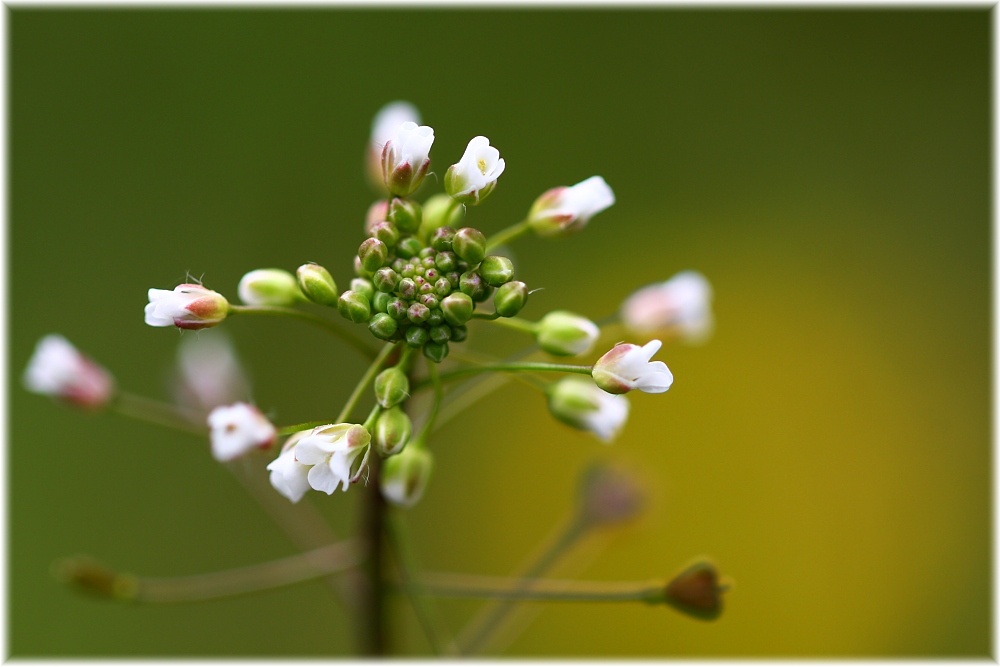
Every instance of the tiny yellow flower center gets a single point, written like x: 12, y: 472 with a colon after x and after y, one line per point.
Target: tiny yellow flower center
x: 482, y: 166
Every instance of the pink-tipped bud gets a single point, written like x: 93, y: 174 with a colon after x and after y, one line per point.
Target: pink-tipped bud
x: 57, y: 369
x: 405, y: 158
x: 186, y: 307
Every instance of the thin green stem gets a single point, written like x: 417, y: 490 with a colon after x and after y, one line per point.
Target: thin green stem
x: 517, y: 323
x: 510, y: 588
x: 280, y: 311
x: 157, y: 412
x: 365, y: 380
x: 428, y: 426
x: 507, y: 235
x: 485, y: 316
x: 511, y: 367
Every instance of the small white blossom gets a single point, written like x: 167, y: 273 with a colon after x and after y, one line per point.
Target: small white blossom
x: 237, y: 429
x: 578, y: 402
x: 681, y: 306
x: 186, y: 307
x: 627, y: 367
x: 209, y: 373
x: 473, y: 178
x: 332, y: 451
x: 289, y: 477
x: 406, y: 158
x: 59, y: 370
x: 564, y: 210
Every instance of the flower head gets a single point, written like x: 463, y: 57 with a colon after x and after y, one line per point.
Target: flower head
x: 681, y: 306
x: 186, y: 307
x: 578, y: 402
x: 405, y: 158
x: 562, y: 211
x: 627, y: 367
x: 209, y: 373
x: 333, y: 452
x: 289, y: 477
x: 404, y: 476
x: 237, y: 429
x: 473, y: 178
x: 59, y: 370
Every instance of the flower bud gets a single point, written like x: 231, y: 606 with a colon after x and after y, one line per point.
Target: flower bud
x: 354, y: 306
x: 384, y: 126
x: 446, y: 261
x: 59, y: 370
x: 392, y: 387
x: 578, y: 402
x: 186, y: 307
x: 457, y: 308
x: 360, y: 270
x: 396, y: 308
x: 436, y: 352
x: 373, y: 254
x: 364, y: 286
x: 497, y: 270
x: 510, y: 298
x: 386, y: 280
x: 408, y: 247
x: 380, y: 304
x: 441, y: 238
x: 697, y: 591
x: 317, y: 284
x: 563, y: 211
x: 436, y: 318
x: 269, y: 287
x: 382, y: 326
x: 440, y: 333
x: 475, y: 176
x: 404, y: 476
x: 392, y: 431
x: 385, y: 232
x: 405, y: 158
x: 377, y: 213
x: 627, y: 367
x: 472, y: 284
x: 418, y: 313
x: 416, y: 337
x: 405, y: 214
x: 469, y: 244
x: 565, y: 334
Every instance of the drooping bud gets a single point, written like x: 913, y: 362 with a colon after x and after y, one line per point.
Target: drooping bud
x: 317, y: 284
x: 186, y: 307
x: 269, y: 287
x: 475, y: 176
x: 382, y: 326
x: 354, y: 306
x: 406, y: 214
x: 627, y: 367
x: 510, y: 298
x: 497, y: 270
x: 392, y: 387
x: 565, y: 334
x: 470, y: 244
x: 457, y: 308
x: 392, y: 431
x: 405, y: 158
x: 373, y: 254
x: 578, y: 402
x: 565, y: 210
x: 440, y: 333
x: 404, y: 476
x: 436, y: 352
x: 59, y: 370
x: 697, y: 591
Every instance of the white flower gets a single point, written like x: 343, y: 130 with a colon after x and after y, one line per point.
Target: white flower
x: 565, y: 334
x: 404, y: 476
x: 681, y: 306
x: 565, y: 210
x: 289, y: 477
x: 405, y: 158
x: 332, y: 451
x: 627, y: 367
x: 59, y: 370
x: 237, y: 429
x: 209, y: 373
x: 473, y: 178
x: 186, y: 307
x: 578, y: 402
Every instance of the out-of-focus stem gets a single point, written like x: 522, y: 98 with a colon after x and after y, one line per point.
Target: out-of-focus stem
x: 508, y: 588
x: 157, y: 412
x: 304, y: 426
x: 280, y: 311
x: 365, y: 380
x: 372, y: 600
x: 511, y: 367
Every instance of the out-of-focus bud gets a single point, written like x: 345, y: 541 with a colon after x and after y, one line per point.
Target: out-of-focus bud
x: 377, y: 213
x: 440, y: 333
x: 627, y: 367
x: 459, y: 333
x: 697, y: 591
x: 209, y: 373
x: 409, y: 247
x: 566, y: 210
x: 436, y: 352
x: 475, y: 176
x: 405, y: 214
x: 383, y: 326
x: 457, y: 308
x: 470, y: 244
x: 608, y: 496
x: 440, y: 211
x: 565, y: 334
x: 404, y: 476
x: 317, y: 284
x: 405, y: 158
x: 497, y: 270
x: 364, y: 286
x: 384, y: 125
x: 186, y: 307
x: 237, y: 429
x: 578, y: 402
x: 510, y: 298
x: 94, y: 578
x: 373, y: 254
x: 354, y: 306
x: 269, y: 287
x: 680, y: 307
x: 59, y: 370
x: 391, y: 387
x: 392, y: 432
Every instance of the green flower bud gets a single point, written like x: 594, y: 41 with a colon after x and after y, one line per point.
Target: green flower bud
x: 457, y: 308
x: 484, y: 295
x: 469, y: 244
x: 407, y: 288
x: 404, y: 476
x: 385, y: 232
x: 440, y: 212
x: 361, y: 270
x: 409, y: 247
x: 429, y: 300
x: 458, y: 334
x: 440, y: 334
x: 416, y: 336
x: 436, y: 352
x: 497, y: 270
x: 442, y: 287
x: 425, y: 253
x: 436, y: 318
x: 392, y: 431
x: 373, y: 254
x: 364, y: 286
x: 405, y: 214
x: 354, y: 306
x: 472, y: 284
x: 391, y: 387
x: 418, y: 313
x: 269, y: 287
x: 446, y: 261
x: 380, y: 303
x: 386, y: 280
x: 565, y: 334
x: 382, y: 326
x: 317, y: 284
x: 511, y: 298
x: 396, y: 308
x: 441, y: 238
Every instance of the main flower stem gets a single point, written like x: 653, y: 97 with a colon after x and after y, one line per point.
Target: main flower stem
x: 507, y: 235
x: 365, y: 380
x: 280, y: 311
x: 372, y: 602
x: 511, y: 367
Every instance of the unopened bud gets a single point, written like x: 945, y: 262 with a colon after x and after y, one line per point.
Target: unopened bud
x: 373, y: 254
x: 404, y: 476
x: 457, y: 308
x: 185, y: 307
x: 442, y: 238
x: 376, y: 213
x: 436, y: 352
x: 497, y: 270
x: 380, y: 304
x: 391, y: 387
x: 469, y: 244
x: 416, y: 337
x: 565, y: 334
x: 405, y: 214
x: 382, y: 326
x: 269, y: 287
x: 446, y: 261
x: 408, y: 247
x: 385, y: 232
x: 697, y: 591
x: 458, y: 334
x: 317, y: 284
x: 405, y: 158
x: 440, y: 333
x: 354, y: 306
x: 386, y: 280
x: 511, y: 298
x: 472, y: 284
x: 392, y: 431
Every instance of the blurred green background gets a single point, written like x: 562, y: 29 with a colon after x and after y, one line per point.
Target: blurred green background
x: 827, y: 170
